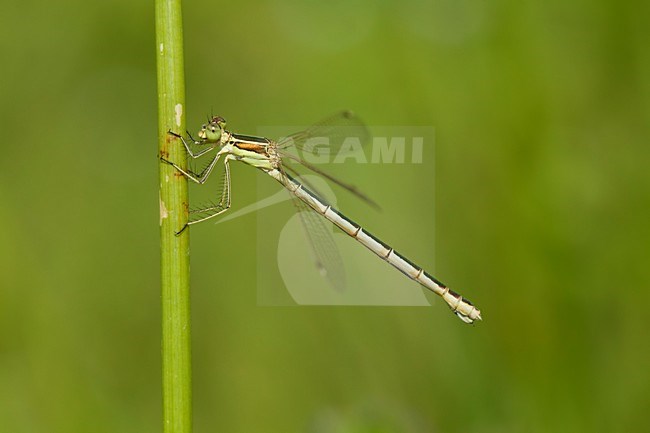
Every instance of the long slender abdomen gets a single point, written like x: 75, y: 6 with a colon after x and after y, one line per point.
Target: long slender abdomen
x: 462, y: 307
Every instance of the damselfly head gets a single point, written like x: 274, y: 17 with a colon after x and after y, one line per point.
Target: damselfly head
x: 212, y: 131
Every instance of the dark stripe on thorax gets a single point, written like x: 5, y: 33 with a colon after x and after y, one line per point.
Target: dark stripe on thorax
x: 251, y: 138
x: 250, y: 143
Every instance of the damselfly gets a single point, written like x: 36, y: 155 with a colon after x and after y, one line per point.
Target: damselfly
x: 268, y: 155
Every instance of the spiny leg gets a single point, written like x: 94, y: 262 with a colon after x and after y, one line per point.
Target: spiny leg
x: 199, y: 178
x: 196, y: 142
x: 224, y: 201
x: 214, y: 210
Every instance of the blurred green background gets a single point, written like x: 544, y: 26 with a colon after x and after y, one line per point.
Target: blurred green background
x: 542, y: 199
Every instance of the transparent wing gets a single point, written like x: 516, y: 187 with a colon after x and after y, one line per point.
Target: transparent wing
x: 350, y: 188
x: 336, y: 135
x: 329, y: 134
x: 319, y: 235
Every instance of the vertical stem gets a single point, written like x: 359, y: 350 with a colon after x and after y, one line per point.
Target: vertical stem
x: 174, y: 257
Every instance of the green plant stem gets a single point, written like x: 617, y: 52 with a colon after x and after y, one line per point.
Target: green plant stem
x: 176, y: 349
